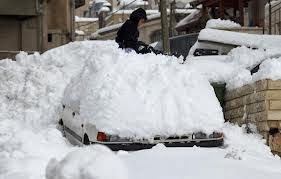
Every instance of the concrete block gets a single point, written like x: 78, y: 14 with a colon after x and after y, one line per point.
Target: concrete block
x: 263, y: 126
x: 274, y: 84
x: 245, y: 100
x: 246, y: 90
x: 275, y: 104
x: 261, y: 85
x: 239, y: 92
x: 257, y: 117
x: 273, y: 94
x: 274, y: 115
x: 234, y: 113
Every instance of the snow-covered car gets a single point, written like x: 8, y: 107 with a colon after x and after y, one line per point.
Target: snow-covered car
x: 76, y: 129
x: 130, y: 101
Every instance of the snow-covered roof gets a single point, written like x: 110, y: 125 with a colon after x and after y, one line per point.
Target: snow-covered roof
x: 194, y: 16
x: 129, y: 11
x: 104, y: 9
x: 85, y: 19
x: 177, y: 11
x: 240, y: 39
x: 106, y: 29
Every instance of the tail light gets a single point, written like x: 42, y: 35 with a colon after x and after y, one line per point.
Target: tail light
x: 101, y: 137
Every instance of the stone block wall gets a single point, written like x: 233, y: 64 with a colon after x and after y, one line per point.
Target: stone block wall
x: 259, y: 104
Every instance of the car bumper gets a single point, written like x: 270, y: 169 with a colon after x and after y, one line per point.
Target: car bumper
x: 140, y: 146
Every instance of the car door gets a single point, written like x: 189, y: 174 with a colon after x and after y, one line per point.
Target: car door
x: 73, y: 123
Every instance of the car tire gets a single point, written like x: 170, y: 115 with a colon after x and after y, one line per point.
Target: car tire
x: 86, y: 140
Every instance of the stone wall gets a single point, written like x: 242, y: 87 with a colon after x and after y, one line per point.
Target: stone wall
x: 259, y: 104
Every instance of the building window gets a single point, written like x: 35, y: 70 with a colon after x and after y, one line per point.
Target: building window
x: 50, y: 37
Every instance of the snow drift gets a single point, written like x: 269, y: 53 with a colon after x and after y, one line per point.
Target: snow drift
x: 140, y: 96
x: 93, y: 162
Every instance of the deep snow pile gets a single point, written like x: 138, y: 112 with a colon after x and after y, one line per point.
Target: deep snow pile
x: 221, y: 24
x: 32, y: 89
x: 89, y: 162
x: 140, y: 96
x: 234, y: 69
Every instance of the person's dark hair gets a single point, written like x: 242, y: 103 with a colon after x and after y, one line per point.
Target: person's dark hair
x: 137, y: 15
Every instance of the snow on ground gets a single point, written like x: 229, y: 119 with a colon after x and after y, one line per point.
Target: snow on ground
x: 31, y: 146
x: 90, y: 162
x: 31, y: 91
x: 168, y: 99
x: 221, y: 24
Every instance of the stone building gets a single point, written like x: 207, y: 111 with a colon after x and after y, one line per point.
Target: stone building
x: 273, y: 15
x: 248, y: 13
x: 35, y: 25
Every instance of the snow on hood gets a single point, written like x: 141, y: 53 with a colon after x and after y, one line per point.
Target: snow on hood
x: 141, y: 96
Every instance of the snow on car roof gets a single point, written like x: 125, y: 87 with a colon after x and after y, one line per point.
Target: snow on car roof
x: 240, y: 39
x: 141, y: 96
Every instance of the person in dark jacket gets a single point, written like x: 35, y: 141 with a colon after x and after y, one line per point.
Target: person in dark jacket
x: 127, y: 35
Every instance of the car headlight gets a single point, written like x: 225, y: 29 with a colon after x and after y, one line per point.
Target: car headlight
x: 200, y: 135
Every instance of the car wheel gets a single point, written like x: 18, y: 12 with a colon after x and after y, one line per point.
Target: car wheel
x: 86, y: 140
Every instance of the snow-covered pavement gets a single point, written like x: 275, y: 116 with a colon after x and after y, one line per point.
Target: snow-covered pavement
x: 31, y: 147
x: 183, y: 163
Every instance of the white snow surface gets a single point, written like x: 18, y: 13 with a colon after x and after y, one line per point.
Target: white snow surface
x: 140, y: 96
x: 93, y: 162
x: 221, y: 24
x: 240, y: 39
x: 85, y: 19
x: 31, y: 147
x: 234, y: 69
x: 192, y: 17
x: 269, y: 69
